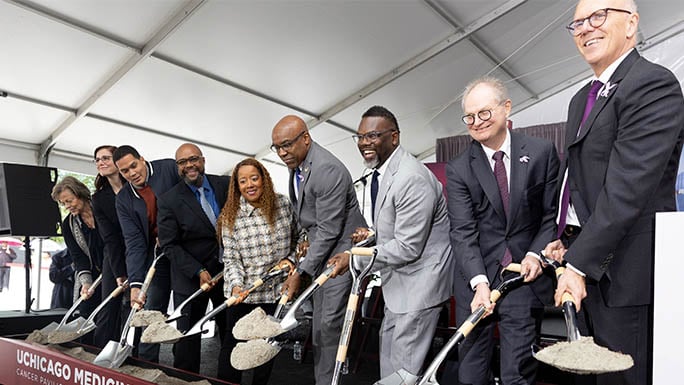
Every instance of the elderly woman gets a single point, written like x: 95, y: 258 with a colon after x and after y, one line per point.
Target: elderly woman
x: 85, y: 246
x: 258, y: 230
x: 108, y: 182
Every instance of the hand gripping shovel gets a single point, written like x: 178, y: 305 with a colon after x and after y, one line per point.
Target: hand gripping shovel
x: 89, y: 325
x: 166, y: 335
x: 580, y: 354
x: 115, y: 353
x: 429, y: 377
x: 352, y: 303
x: 53, y: 329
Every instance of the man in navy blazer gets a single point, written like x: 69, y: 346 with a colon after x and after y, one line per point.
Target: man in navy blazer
x: 620, y: 169
x: 138, y: 219
x: 496, y: 220
x: 187, y: 234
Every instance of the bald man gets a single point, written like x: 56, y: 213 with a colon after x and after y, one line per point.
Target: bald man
x: 187, y: 233
x: 325, y: 204
x: 623, y: 142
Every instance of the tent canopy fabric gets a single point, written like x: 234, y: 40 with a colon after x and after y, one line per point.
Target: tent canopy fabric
x: 76, y: 74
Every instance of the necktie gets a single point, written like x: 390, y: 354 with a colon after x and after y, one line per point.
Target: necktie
x: 206, y: 206
x: 502, y: 181
x: 565, y: 197
x: 374, y: 192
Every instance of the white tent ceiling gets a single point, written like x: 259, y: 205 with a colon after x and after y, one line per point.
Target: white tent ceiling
x: 76, y: 74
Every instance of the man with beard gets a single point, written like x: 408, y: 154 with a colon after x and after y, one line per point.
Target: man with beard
x: 325, y: 204
x: 187, y: 234
x: 413, y: 250
x: 136, y: 207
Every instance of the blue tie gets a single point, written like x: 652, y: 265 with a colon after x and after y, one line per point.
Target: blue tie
x: 374, y: 192
x: 206, y: 206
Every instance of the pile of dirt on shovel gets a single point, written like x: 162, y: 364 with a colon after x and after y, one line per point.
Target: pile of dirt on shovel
x: 37, y: 337
x: 584, y: 357
x: 160, y: 331
x: 256, y: 324
x: 250, y: 354
x: 146, y: 317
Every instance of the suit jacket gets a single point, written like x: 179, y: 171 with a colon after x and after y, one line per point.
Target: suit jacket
x: 412, y: 233
x: 622, y: 169
x: 104, y: 210
x: 327, y: 207
x: 132, y: 213
x: 187, y: 236
x: 480, y: 231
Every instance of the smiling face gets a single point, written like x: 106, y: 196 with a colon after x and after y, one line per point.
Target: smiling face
x: 250, y: 182
x: 490, y: 132
x: 190, y: 164
x: 133, y: 169
x: 375, y: 152
x: 603, y: 45
x: 104, y: 163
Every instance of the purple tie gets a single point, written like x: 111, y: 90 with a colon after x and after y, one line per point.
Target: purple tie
x: 565, y: 198
x: 502, y: 181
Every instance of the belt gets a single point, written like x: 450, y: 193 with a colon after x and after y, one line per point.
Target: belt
x: 571, y: 231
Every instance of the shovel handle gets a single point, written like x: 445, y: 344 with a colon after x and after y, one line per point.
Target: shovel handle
x: 207, y: 286
x: 92, y: 288
x: 363, y: 251
x: 325, y: 275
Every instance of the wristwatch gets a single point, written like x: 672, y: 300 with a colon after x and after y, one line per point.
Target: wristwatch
x: 300, y: 271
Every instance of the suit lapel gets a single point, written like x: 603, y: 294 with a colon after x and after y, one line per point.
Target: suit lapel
x: 188, y: 198
x: 484, y: 174
x: 519, y: 165
x: 387, y: 179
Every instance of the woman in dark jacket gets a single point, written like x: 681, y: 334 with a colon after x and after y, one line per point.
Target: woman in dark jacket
x: 62, y: 275
x: 107, y: 184
x: 85, y: 246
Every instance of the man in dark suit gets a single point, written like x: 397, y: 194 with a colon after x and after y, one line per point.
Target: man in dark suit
x: 326, y: 207
x: 501, y: 199
x: 187, y: 234
x: 136, y: 207
x: 623, y: 141
x: 413, y: 248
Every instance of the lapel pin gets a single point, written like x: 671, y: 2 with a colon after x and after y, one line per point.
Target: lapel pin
x: 606, y: 89
x: 524, y: 159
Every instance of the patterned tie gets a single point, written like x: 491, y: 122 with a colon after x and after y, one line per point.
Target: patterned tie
x: 374, y: 192
x: 565, y: 198
x: 206, y: 206
x: 502, y: 181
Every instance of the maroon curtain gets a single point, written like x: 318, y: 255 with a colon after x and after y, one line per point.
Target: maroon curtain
x: 448, y: 148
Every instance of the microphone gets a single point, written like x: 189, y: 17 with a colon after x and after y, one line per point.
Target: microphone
x: 364, y: 178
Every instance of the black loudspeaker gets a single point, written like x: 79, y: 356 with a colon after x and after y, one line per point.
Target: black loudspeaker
x: 26, y: 207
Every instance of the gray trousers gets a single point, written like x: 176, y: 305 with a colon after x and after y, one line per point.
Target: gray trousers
x: 329, y: 307
x: 405, y: 339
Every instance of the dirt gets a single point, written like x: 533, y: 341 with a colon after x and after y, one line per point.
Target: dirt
x: 61, y: 336
x: 257, y: 324
x: 250, y: 354
x: 584, y: 357
x: 146, y: 317
x: 38, y: 337
x: 160, y: 332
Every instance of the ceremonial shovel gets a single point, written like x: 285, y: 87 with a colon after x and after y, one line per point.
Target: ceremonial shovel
x: 75, y: 324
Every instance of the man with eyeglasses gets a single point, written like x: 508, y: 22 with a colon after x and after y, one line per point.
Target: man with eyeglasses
x: 187, y: 235
x: 413, y: 249
x: 623, y: 142
x: 136, y: 207
x: 501, y: 198
x: 325, y: 204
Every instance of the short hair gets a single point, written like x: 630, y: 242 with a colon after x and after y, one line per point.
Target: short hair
x: 497, y: 85
x: 77, y: 187
x: 101, y: 181
x: 123, y: 151
x: 380, y: 111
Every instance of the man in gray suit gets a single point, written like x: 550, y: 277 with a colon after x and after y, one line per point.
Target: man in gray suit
x: 413, y: 249
x: 501, y: 193
x: 325, y: 204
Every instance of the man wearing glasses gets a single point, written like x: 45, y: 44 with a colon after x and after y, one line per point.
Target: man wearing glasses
x: 413, y: 249
x: 325, y: 204
x: 136, y: 207
x: 501, y: 198
x: 623, y: 142
x: 187, y: 234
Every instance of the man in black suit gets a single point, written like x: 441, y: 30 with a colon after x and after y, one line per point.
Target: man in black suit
x: 623, y: 142
x: 187, y: 234
x: 501, y: 201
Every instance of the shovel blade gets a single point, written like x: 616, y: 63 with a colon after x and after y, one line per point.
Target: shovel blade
x: 113, y: 355
x: 52, y: 326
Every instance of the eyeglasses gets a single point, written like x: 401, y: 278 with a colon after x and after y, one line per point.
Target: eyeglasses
x: 595, y: 20
x: 192, y: 160
x: 371, y: 136
x: 484, y: 115
x: 67, y: 202
x: 103, y: 158
x: 287, y: 145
